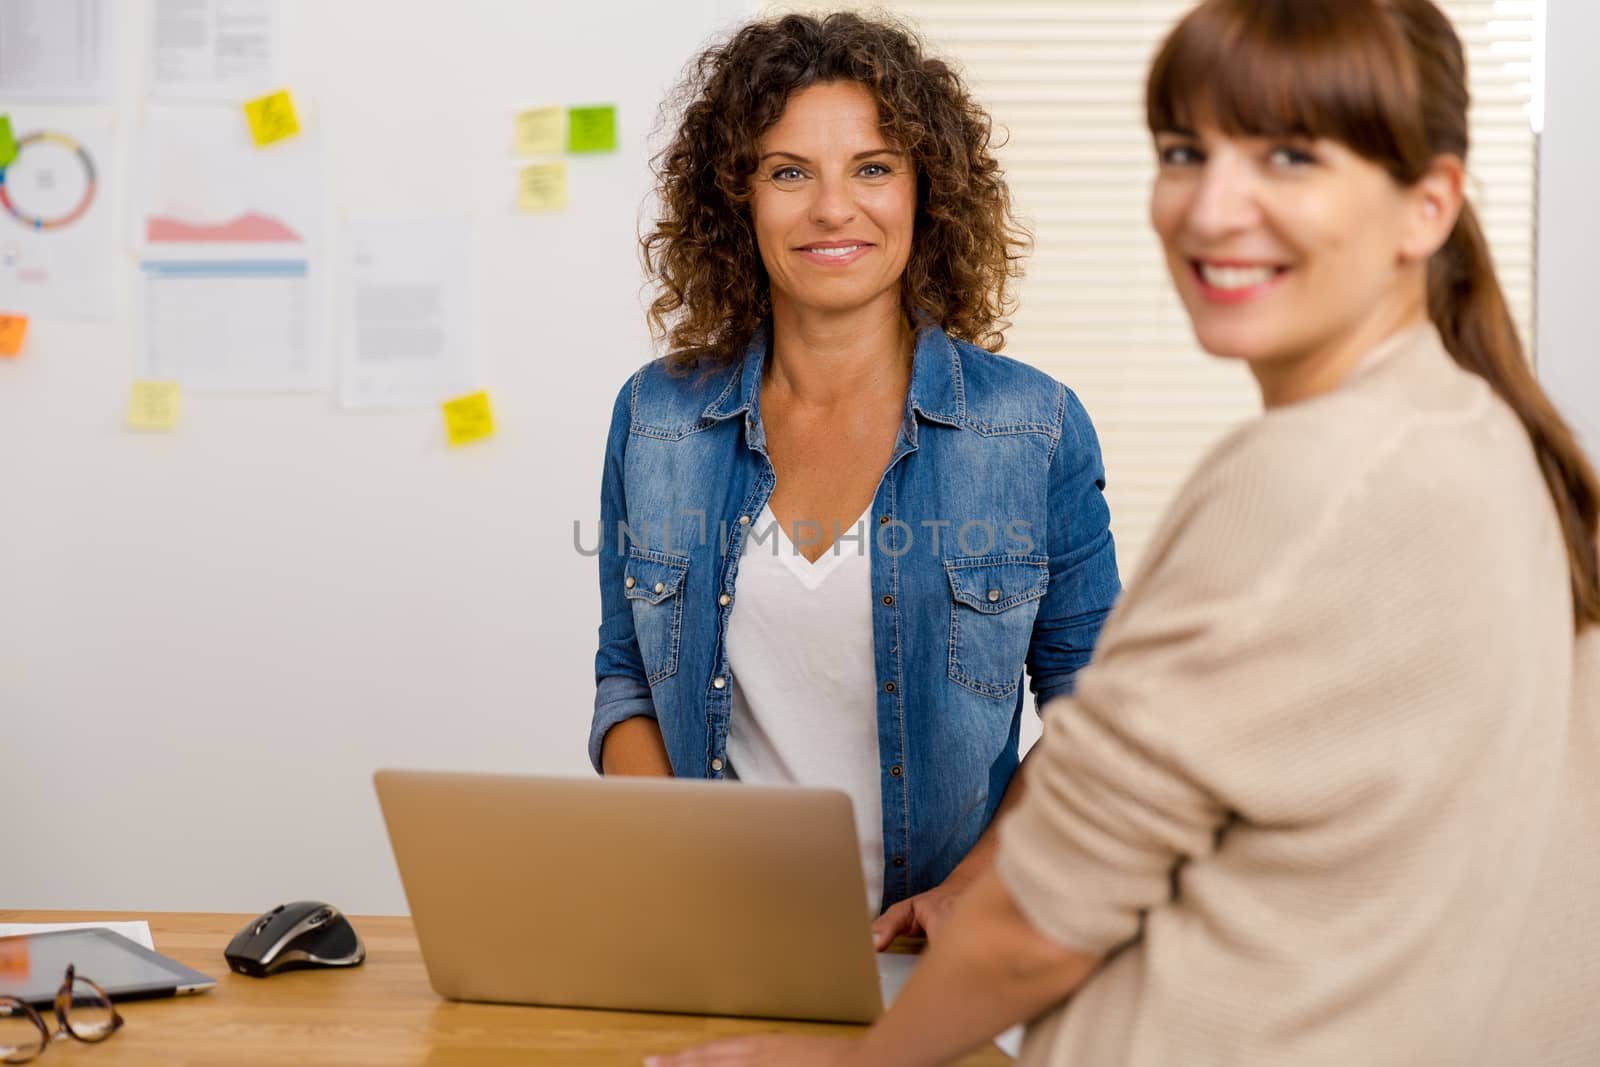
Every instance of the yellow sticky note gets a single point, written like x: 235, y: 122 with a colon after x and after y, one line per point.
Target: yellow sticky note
x: 272, y: 118
x: 468, y: 418
x: 13, y: 330
x: 541, y: 131
x: 542, y: 186
x: 153, y: 405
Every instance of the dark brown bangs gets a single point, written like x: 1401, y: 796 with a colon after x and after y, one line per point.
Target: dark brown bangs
x: 1335, y: 69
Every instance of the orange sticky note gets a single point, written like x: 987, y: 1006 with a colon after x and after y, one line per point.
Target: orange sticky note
x: 468, y: 419
x: 13, y: 330
x: 272, y: 118
x: 14, y: 961
x: 153, y: 405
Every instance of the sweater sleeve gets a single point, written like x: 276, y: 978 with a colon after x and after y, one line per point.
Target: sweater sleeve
x: 1281, y: 660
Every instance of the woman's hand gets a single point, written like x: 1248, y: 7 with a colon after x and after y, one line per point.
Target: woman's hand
x: 921, y: 915
x: 766, y: 1051
x: 924, y: 913
x: 989, y: 970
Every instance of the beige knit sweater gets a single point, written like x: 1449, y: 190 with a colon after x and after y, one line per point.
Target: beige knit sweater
x: 1330, y: 791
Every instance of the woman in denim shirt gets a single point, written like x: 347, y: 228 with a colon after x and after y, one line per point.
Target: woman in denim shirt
x: 835, y: 526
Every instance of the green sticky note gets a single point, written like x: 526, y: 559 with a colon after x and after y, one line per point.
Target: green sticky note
x: 592, y: 129
x: 8, y: 142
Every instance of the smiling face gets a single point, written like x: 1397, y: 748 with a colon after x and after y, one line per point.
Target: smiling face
x: 833, y: 203
x: 1296, y: 255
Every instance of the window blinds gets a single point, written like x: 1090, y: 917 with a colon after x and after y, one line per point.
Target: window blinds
x: 1064, y: 81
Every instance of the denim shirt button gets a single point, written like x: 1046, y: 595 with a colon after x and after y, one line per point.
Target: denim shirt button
x: 883, y: 520
x: 719, y: 682
x: 888, y: 600
x: 724, y: 600
x: 899, y: 861
x: 896, y: 771
x: 888, y: 687
x: 994, y: 595
x: 661, y: 587
x: 628, y: 582
x: 744, y: 520
x: 716, y: 763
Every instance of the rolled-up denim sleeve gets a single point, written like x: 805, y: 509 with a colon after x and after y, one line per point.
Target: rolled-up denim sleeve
x: 1083, y: 559
x: 620, y: 691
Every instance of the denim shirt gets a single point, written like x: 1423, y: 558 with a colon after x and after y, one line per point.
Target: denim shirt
x: 990, y: 551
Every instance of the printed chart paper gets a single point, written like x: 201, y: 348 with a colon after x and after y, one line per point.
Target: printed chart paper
x: 222, y: 50
x: 229, y: 239
x: 409, y: 335
x: 58, y: 248
x: 58, y: 50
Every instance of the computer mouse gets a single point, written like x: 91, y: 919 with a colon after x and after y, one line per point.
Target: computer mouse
x: 307, y: 933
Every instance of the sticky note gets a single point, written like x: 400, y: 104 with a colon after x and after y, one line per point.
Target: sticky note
x: 541, y: 131
x: 592, y: 129
x: 272, y: 118
x: 13, y: 330
x: 468, y: 418
x: 542, y: 187
x: 8, y: 142
x: 14, y: 959
x: 153, y: 405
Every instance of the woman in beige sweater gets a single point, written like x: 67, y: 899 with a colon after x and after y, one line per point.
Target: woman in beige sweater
x: 1330, y: 791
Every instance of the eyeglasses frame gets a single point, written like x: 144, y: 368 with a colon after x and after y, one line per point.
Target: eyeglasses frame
x: 63, y: 1007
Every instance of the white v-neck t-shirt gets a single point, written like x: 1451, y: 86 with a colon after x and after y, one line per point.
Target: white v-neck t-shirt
x: 804, y: 685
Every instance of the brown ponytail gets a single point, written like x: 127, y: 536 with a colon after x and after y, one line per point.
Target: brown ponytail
x: 1387, y: 78
x: 1465, y: 303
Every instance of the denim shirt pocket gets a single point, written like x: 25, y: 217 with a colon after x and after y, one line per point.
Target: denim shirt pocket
x: 993, y: 602
x: 653, y: 584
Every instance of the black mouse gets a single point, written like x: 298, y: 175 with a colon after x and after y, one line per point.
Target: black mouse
x: 306, y: 933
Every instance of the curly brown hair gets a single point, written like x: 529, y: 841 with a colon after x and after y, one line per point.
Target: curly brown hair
x: 713, y: 289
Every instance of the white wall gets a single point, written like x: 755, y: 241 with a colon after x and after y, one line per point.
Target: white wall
x: 209, y: 639
x: 1569, y: 221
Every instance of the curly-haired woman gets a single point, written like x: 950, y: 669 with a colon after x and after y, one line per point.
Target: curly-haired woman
x: 837, y: 527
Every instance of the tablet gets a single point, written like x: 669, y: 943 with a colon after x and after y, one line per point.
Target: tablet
x: 33, y: 965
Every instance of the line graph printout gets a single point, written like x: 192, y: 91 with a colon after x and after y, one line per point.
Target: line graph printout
x: 205, y: 184
x: 58, y: 250
x: 229, y: 240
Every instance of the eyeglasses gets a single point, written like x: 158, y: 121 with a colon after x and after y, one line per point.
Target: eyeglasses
x: 83, y: 1012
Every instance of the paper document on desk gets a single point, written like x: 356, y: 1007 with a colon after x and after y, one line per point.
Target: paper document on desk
x: 894, y: 968
x: 137, y: 931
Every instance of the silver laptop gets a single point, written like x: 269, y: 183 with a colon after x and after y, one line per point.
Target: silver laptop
x: 713, y: 898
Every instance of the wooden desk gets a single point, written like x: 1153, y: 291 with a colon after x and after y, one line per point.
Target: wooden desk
x: 382, y: 1012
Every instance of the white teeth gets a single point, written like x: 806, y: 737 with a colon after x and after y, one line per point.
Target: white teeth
x: 841, y: 251
x: 1236, y: 277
